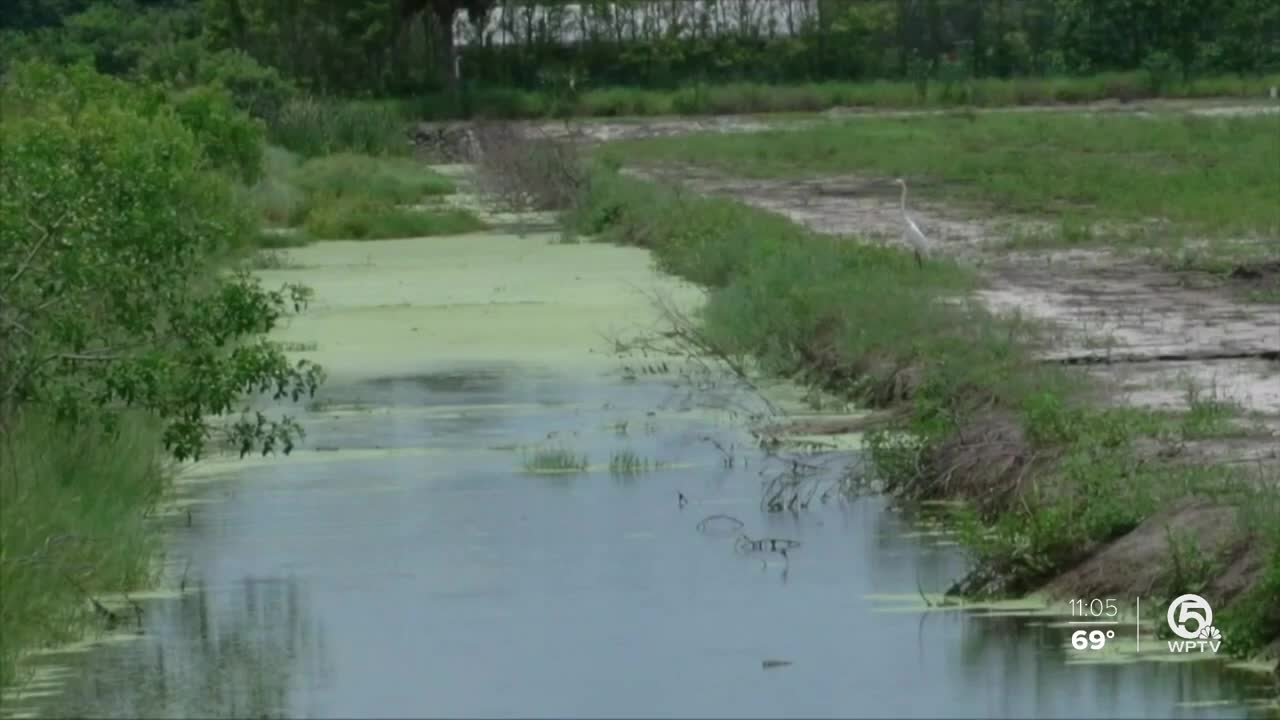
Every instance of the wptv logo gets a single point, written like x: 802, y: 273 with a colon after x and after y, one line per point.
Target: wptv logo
x: 1191, y: 619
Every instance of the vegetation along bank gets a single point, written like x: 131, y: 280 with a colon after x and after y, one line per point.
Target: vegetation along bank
x: 1064, y: 488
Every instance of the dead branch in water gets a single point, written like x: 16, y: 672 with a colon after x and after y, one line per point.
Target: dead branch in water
x: 705, y: 524
x: 523, y: 168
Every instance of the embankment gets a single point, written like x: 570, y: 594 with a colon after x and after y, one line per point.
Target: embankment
x: 1064, y: 493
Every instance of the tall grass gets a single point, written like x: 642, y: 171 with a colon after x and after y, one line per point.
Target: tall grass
x: 708, y: 99
x: 1207, y: 174
x: 352, y: 196
x: 394, y: 180
x: 356, y: 217
x: 71, y: 522
x: 313, y: 126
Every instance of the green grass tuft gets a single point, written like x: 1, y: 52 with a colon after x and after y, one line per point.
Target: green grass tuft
x: 554, y: 460
x: 362, y: 218
x: 628, y: 462
x: 393, y: 180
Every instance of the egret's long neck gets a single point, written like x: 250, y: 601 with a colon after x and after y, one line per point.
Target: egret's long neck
x: 903, y: 200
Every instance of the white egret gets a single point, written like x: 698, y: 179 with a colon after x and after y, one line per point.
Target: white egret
x: 910, y: 231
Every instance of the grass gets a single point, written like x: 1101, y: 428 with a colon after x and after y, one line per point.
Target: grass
x: 1048, y: 476
x: 628, y: 462
x: 554, y: 460
x: 395, y: 180
x: 350, y: 196
x: 363, y: 218
x: 746, y: 97
x: 313, y: 127
x: 1205, y: 175
x: 71, y: 522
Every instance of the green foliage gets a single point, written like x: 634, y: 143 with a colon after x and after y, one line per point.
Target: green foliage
x: 114, y: 36
x: 110, y: 233
x: 231, y: 139
x: 1253, y: 619
x: 257, y: 89
x: 359, y: 217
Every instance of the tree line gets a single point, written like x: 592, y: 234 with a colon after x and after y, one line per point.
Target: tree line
x: 397, y: 47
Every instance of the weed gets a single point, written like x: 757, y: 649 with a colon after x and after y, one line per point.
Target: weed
x: 627, y: 462
x: 554, y: 460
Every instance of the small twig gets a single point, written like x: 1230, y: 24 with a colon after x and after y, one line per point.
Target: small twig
x: 706, y: 521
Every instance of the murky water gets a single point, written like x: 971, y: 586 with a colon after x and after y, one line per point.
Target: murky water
x: 404, y: 563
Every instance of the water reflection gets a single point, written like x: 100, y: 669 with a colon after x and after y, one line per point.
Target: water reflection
x: 233, y: 654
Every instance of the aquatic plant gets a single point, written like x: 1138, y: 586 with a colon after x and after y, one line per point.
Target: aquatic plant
x: 554, y: 460
x: 627, y: 462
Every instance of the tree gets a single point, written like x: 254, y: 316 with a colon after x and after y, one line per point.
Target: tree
x: 439, y: 16
x: 114, y: 228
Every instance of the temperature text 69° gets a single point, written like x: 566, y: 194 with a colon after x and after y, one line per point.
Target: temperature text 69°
x: 1091, y: 639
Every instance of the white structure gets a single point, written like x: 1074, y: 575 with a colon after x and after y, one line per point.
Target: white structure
x: 510, y: 22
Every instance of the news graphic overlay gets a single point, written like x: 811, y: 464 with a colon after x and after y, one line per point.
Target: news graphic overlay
x: 1190, y: 618
x: 1094, y: 622
x: 1097, y: 621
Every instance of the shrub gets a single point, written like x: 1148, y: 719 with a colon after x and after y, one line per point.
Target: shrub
x: 232, y: 140
x: 229, y: 139
x: 257, y: 89
x: 111, y: 231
